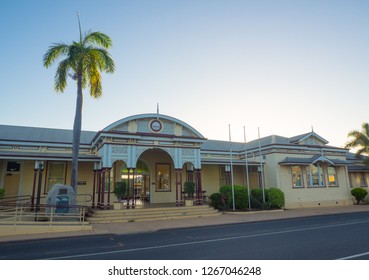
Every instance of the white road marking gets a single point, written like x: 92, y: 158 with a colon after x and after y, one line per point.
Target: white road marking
x: 204, y: 241
x: 354, y: 256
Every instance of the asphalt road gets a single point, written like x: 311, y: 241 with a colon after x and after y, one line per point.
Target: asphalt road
x: 329, y: 237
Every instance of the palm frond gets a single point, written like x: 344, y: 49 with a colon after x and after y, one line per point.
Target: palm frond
x: 103, y: 60
x: 357, y: 139
x: 61, y: 75
x: 363, y: 150
x: 54, y: 52
x: 98, y: 38
x: 85, y: 59
x: 95, y: 83
x: 365, y: 129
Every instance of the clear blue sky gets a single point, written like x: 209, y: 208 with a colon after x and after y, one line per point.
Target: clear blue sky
x: 283, y: 66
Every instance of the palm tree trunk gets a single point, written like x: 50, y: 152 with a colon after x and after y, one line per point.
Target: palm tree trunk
x: 77, y: 134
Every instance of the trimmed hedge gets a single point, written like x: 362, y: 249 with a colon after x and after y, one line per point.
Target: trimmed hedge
x: 257, y: 198
x: 359, y: 194
x: 240, y: 197
x: 216, y: 201
x: 274, y: 198
x: 223, y: 199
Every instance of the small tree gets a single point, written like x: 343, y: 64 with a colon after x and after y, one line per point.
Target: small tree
x: 189, y: 188
x: 120, y: 189
x: 359, y: 194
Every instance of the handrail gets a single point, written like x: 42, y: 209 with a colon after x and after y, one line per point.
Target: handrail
x: 23, y: 199
x: 27, y: 199
x: 45, y: 215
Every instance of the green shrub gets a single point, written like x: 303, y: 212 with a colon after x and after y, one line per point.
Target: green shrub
x: 240, y: 197
x: 359, y: 194
x: 120, y: 189
x: 257, y: 198
x: 2, y: 193
x: 275, y: 198
x: 216, y: 201
x: 255, y: 203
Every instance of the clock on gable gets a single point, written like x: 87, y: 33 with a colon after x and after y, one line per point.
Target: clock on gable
x: 156, y: 125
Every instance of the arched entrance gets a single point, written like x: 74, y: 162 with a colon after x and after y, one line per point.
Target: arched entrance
x: 135, y: 182
x: 140, y: 181
x: 161, y: 170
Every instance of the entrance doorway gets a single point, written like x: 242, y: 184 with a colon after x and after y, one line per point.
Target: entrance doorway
x: 12, y: 178
x: 141, y: 180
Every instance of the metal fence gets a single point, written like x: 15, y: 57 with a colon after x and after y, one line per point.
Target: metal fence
x: 42, y: 215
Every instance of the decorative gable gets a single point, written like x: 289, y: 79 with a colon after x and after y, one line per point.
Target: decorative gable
x: 154, y: 124
x: 310, y: 138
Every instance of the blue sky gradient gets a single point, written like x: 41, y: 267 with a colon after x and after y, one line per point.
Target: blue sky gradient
x: 283, y: 66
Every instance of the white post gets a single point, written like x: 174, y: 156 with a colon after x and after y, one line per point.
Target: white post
x: 261, y: 167
x: 247, y: 170
x: 230, y: 153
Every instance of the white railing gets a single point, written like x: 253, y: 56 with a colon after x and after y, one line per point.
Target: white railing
x: 44, y: 215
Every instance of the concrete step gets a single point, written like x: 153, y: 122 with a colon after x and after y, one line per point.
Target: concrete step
x: 149, y: 210
x: 151, y: 214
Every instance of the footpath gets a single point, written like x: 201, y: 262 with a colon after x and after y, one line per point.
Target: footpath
x: 225, y: 218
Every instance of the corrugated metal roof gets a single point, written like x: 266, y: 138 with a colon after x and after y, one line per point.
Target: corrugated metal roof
x: 310, y: 160
x: 46, y: 156
x: 355, y: 168
x: 216, y: 145
x: 225, y: 146
x: 38, y: 134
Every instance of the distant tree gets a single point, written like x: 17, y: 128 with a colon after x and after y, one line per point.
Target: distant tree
x: 360, y: 141
x: 86, y: 59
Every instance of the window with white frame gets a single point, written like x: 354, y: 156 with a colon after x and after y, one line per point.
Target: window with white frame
x: 332, y: 176
x: 56, y: 174
x: 315, y: 175
x: 297, y: 181
x: 363, y: 182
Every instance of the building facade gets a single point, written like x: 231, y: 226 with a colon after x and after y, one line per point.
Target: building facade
x: 155, y: 154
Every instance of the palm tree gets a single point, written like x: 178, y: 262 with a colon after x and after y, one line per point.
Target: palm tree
x: 360, y: 140
x: 86, y: 58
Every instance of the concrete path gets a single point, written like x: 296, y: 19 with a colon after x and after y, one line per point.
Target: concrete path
x: 226, y: 218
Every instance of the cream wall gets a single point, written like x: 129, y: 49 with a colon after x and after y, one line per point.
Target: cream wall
x: 239, y: 175
x: 314, y: 196
x: 27, y: 175
x: 210, y: 179
x: 281, y: 177
x: 2, y: 162
x: 271, y: 170
x: 26, y: 181
x: 356, y: 179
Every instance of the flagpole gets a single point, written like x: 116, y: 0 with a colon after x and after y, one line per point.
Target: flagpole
x: 247, y: 170
x: 230, y: 153
x: 261, y: 167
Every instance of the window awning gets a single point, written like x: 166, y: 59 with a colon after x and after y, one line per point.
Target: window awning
x: 313, y: 160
